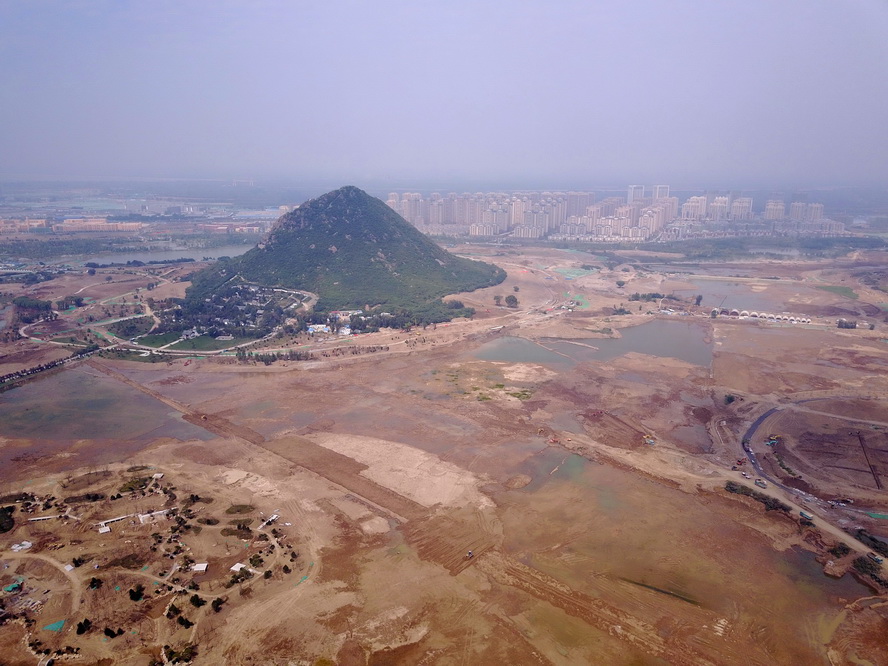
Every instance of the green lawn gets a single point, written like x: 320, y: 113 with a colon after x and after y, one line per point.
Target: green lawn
x: 159, y: 340
x: 847, y: 292
x: 70, y: 340
x: 206, y: 343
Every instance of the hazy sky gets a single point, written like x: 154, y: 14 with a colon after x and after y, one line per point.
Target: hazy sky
x: 730, y: 93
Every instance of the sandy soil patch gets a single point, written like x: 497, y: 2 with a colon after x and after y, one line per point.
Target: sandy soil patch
x: 421, y: 476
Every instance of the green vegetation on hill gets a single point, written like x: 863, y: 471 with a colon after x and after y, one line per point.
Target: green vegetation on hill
x: 355, y: 253
x: 846, y: 292
x: 130, y: 328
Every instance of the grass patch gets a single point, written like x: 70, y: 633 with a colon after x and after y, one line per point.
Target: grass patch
x: 240, y: 508
x: 131, y: 328
x: 134, y: 484
x: 524, y: 394
x: 7, y: 522
x: 845, y: 292
x: 86, y: 497
x: 132, y: 561
x: 207, y: 343
x: 159, y: 340
x: 71, y: 340
x: 241, y: 523
x: 130, y: 355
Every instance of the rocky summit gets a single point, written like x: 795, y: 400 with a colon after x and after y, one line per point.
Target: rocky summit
x: 354, y: 252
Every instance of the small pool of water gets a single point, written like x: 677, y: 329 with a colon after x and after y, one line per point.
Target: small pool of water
x: 729, y: 294
x: 676, y: 338
x: 804, y: 570
x: 511, y: 349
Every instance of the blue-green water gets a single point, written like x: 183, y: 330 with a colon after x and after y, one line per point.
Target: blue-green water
x: 678, y: 338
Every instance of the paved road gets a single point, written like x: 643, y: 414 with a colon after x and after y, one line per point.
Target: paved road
x: 821, y: 522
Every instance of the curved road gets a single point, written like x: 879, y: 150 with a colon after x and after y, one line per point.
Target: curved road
x: 822, y: 523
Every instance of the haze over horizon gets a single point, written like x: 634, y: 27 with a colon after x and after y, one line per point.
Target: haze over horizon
x: 740, y: 94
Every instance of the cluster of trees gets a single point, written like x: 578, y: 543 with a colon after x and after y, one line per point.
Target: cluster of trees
x: 511, y: 300
x: 868, y: 567
x: 31, y: 278
x: 69, y: 301
x: 130, y: 328
x: 876, y: 544
x: 30, y: 309
x: 651, y: 296
x: 771, y: 503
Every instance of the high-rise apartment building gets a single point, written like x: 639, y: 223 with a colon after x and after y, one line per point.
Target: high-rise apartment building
x: 741, y: 209
x: 659, y: 192
x: 694, y: 208
x: 718, y: 209
x: 635, y: 192
x: 775, y: 210
x: 798, y: 210
x: 577, y: 202
x: 815, y: 212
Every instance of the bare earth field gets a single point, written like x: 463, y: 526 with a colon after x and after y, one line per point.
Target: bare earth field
x: 581, y: 456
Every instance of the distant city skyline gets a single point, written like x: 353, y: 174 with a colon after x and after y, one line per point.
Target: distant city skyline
x: 634, y: 216
x: 739, y: 93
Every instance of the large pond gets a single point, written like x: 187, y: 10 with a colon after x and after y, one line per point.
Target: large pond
x: 158, y: 255
x: 729, y: 294
x: 54, y: 413
x: 678, y: 338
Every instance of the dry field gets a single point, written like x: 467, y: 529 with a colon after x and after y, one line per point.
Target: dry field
x: 589, y: 544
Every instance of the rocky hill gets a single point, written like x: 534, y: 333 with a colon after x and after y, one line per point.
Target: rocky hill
x: 354, y: 252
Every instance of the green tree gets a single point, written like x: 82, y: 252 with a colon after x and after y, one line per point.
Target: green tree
x: 698, y: 299
x: 511, y: 301
x: 497, y: 300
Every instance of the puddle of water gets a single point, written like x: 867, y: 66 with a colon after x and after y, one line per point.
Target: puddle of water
x: 727, y: 294
x: 801, y: 567
x: 567, y: 422
x: 512, y: 349
x: 683, y: 340
x: 75, y: 404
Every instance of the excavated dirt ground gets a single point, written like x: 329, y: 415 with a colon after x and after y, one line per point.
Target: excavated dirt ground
x: 590, y: 544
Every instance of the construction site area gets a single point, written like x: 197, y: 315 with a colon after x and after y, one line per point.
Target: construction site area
x: 545, y: 484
